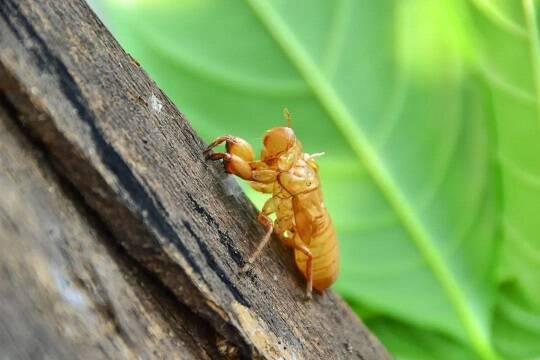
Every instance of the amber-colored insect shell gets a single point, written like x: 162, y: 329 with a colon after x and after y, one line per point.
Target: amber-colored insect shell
x: 291, y: 177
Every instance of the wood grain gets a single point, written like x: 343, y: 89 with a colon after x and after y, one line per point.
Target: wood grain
x: 67, y: 290
x: 86, y: 103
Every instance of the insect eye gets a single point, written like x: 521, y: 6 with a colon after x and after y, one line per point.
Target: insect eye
x: 278, y: 140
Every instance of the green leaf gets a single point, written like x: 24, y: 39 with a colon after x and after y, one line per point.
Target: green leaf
x: 517, y: 326
x: 426, y: 345
x: 392, y: 92
x: 508, y: 57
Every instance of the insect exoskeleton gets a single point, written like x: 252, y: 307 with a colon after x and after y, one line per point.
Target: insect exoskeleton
x: 291, y: 177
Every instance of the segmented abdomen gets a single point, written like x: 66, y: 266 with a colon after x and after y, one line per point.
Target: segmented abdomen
x: 324, y: 248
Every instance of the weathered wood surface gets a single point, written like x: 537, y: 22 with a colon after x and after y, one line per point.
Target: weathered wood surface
x: 66, y: 290
x: 140, y: 170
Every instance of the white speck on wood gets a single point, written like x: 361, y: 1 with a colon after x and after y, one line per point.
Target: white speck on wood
x: 154, y: 104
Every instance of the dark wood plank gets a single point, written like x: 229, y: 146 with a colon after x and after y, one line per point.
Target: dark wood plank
x: 142, y: 171
x: 67, y: 290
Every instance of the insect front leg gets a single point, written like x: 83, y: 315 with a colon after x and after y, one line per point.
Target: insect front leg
x: 234, y: 146
x: 237, y: 158
x: 263, y: 217
x: 233, y: 165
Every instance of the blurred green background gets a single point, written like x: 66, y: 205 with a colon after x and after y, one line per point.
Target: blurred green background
x: 429, y: 114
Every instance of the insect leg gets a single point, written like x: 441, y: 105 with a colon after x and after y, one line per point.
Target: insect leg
x: 262, y: 244
x: 309, y: 267
x: 262, y: 187
x: 233, y: 145
x: 268, y: 208
x: 234, y: 165
x: 238, y: 160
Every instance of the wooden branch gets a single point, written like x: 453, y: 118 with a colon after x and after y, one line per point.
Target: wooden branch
x: 67, y: 291
x: 140, y: 170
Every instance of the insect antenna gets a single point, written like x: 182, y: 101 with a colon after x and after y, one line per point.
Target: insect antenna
x: 314, y: 156
x: 288, y: 117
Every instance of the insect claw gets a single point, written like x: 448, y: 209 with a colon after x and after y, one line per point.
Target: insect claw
x: 208, y: 153
x: 309, y: 287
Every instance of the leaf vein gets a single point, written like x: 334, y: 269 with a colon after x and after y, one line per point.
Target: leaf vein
x: 492, y: 13
x: 502, y: 84
x: 518, y: 172
x: 532, y: 29
x: 336, y: 37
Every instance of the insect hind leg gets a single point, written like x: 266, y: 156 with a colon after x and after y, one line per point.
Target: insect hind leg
x: 309, y: 267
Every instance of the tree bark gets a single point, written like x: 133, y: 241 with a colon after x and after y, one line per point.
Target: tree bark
x: 68, y: 290
x: 119, y: 240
